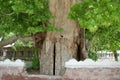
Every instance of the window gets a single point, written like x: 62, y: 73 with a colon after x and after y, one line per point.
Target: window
x: 21, y: 53
x: 30, y: 54
x: 9, y: 54
x: 1, y: 53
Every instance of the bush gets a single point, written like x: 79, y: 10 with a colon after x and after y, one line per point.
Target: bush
x: 35, y: 62
x: 92, y: 55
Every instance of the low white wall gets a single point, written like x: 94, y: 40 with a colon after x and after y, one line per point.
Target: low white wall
x: 12, y: 67
x: 88, y: 63
x: 91, y: 70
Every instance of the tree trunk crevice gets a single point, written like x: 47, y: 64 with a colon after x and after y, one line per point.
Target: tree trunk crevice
x: 54, y: 58
x: 59, y: 47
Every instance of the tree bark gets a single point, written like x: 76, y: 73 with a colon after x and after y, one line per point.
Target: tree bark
x: 83, y: 45
x: 115, y: 55
x: 59, y: 47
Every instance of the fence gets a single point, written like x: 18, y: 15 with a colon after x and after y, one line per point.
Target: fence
x: 107, y: 55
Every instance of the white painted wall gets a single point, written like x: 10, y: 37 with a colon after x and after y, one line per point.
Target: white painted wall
x: 88, y: 63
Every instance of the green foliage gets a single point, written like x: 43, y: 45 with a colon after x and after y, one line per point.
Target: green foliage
x: 19, y: 43
x: 35, y: 63
x: 107, y: 39
x: 35, y: 60
x: 93, y: 55
x: 24, y: 17
x: 101, y: 20
x: 8, y: 35
x: 93, y: 14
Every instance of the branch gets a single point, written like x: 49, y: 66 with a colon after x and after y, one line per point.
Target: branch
x: 13, y: 39
x: 26, y: 39
x: 5, y: 14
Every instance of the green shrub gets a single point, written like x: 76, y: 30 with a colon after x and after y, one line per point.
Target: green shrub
x: 35, y: 62
x: 92, y: 55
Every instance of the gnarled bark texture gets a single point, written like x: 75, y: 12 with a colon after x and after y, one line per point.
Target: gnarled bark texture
x: 59, y: 47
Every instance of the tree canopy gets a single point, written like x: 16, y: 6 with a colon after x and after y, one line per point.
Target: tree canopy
x: 24, y: 17
x: 101, y: 19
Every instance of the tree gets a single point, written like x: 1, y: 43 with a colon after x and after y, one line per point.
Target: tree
x: 59, y: 47
x: 30, y: 20
x: 110, y: 40
x: 24, y: 20
x: 101, y: 20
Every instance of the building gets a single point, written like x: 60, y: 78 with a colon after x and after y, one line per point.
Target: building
x: 24, y: 53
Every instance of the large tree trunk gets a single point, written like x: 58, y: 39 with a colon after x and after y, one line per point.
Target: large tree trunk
x: 59, y: 47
